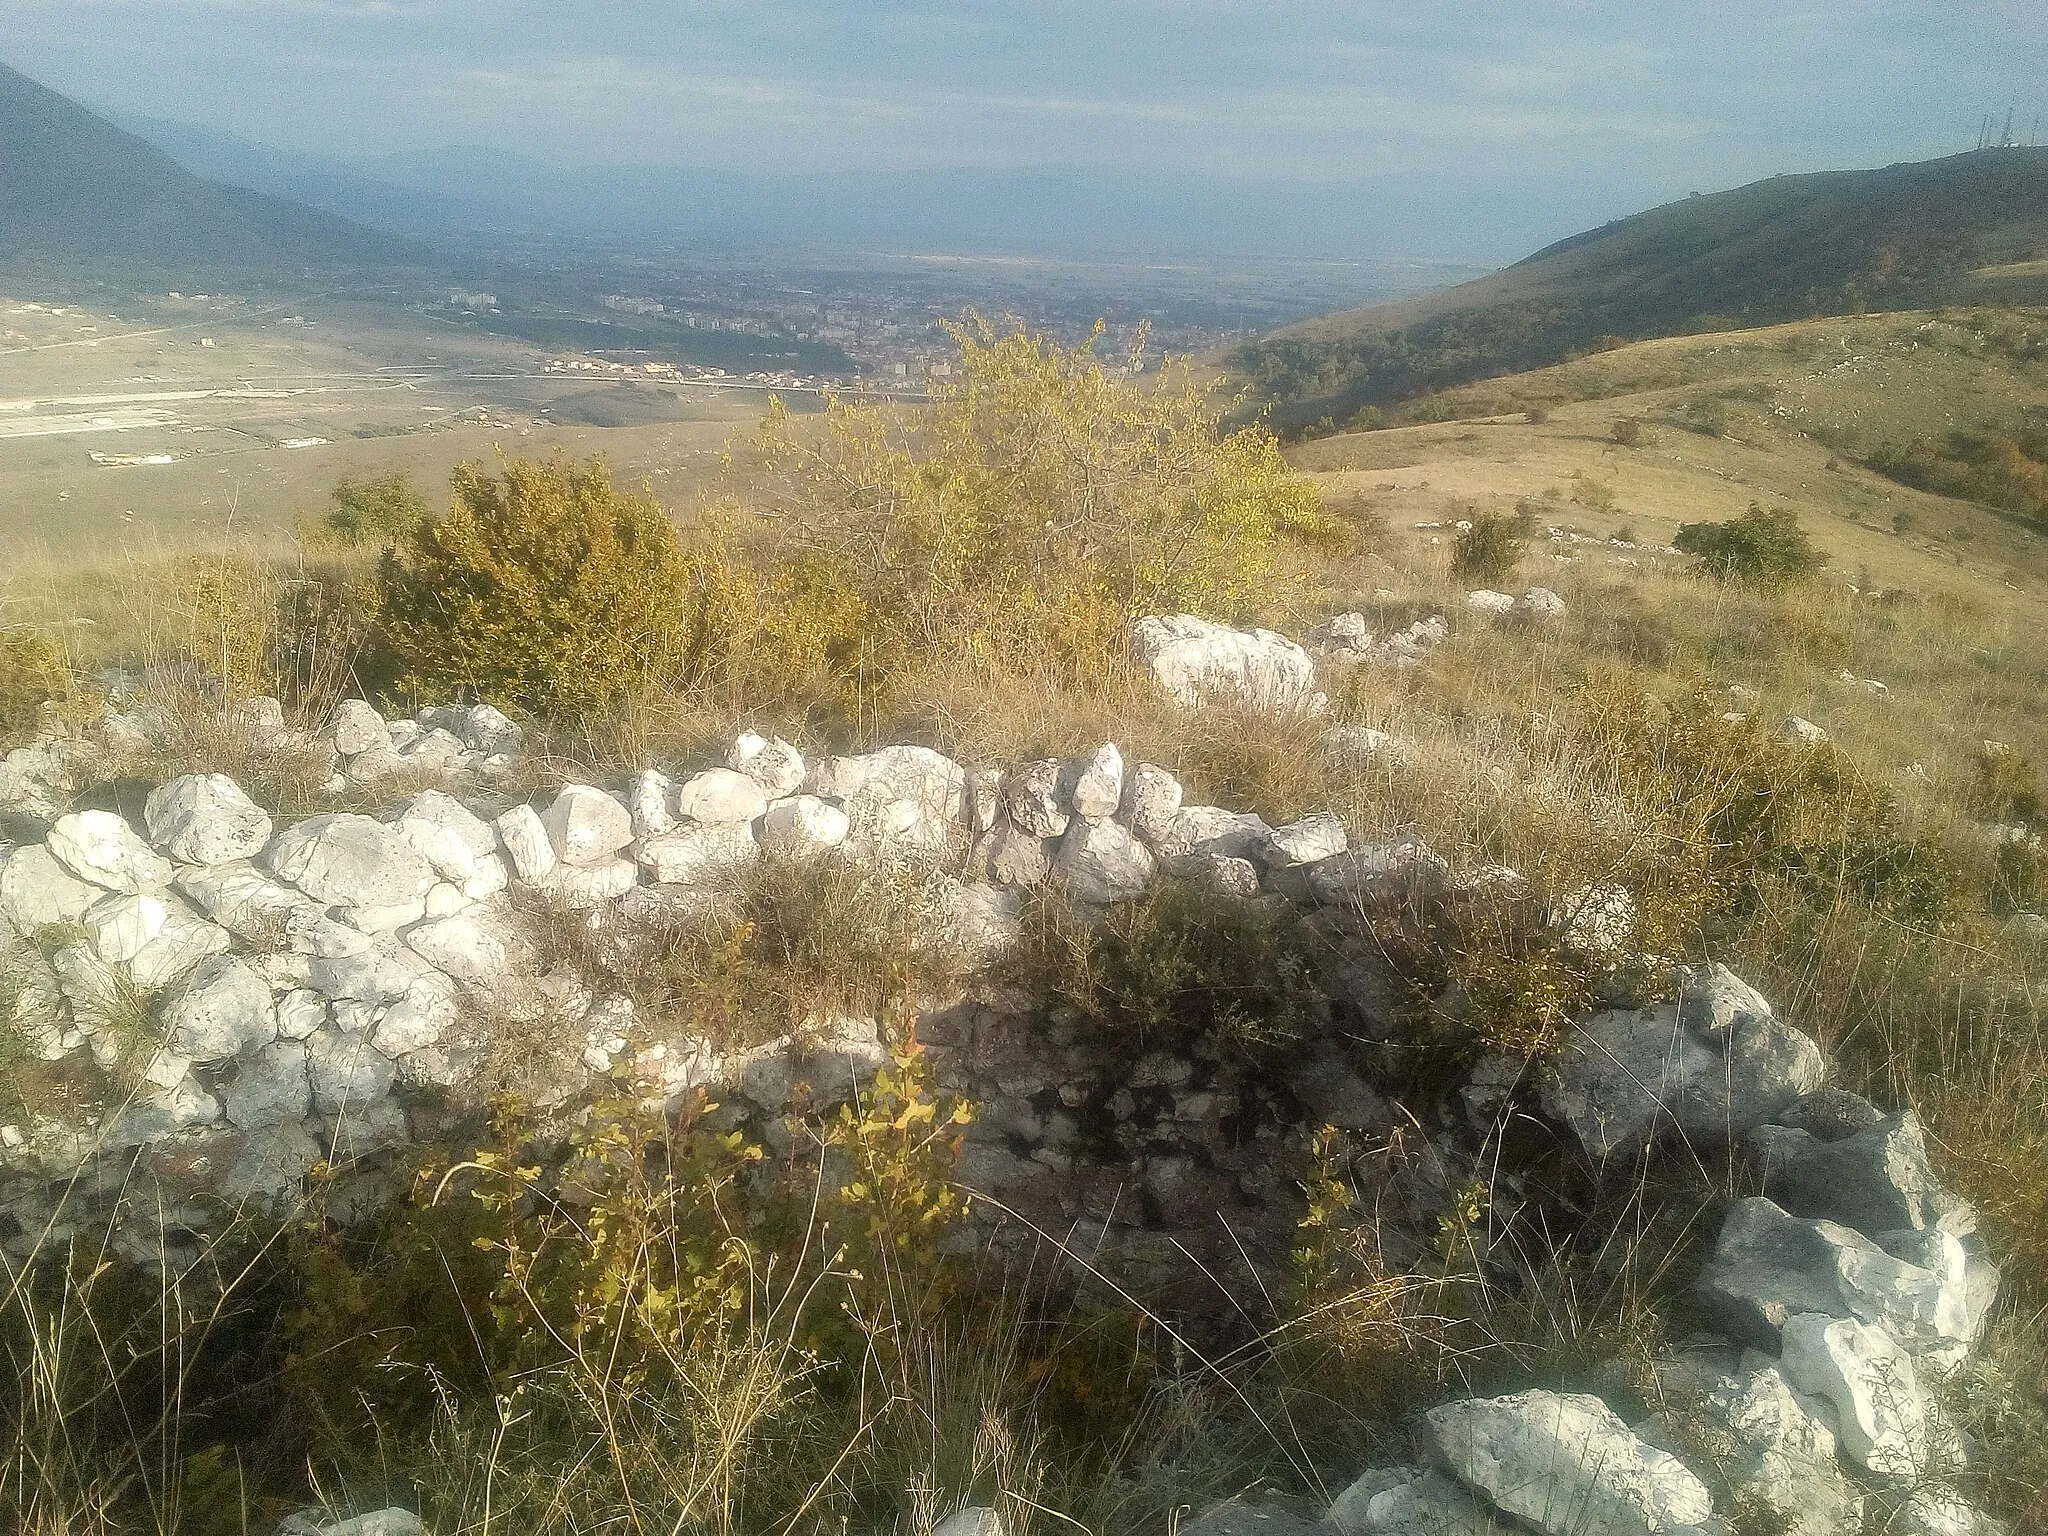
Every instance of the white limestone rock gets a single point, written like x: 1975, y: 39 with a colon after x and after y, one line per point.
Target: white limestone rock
x: 1877, y: 1180
x: 585, y: 825
x: 1032, y: 799
x: 582, y: 887
x: 1629, y: 1076
x: 1152, y: 799
x: 696, y: 855
x: 1015, y: 858
x: 720, y: 797
x: 1307, y: 841
x: 36, y: 891
x: 345, y: 1071
x: 1770, y: 1266
x: 526, y: 843
x: 1541, y: 603
x: 300, y: 1011
x: 119, y: 927
x: 1210, y: 830
x: 1095, y: 784
x: 1567, y: 1464
x: 460, y: 845
x: 246, y: 902
x: 102, y: 849
x: 1881, y: 1412
x: 803, y: 825
x: 1400, y: 868
x: 1489, y: 602
x: 1713, y: 1000
x: 770, y: 762
x: 205, y: 819
x: 1193, y: 660
x: 1802, y: 730
x: 1776, y: 1446
x: 478, y: 948
x: 270, y: 1088
x: 346, y: 860
x: 1101, y: 862
x: 357, y: 727
x: 652, y: 803
x: 179, y: 946
x: 152, y: 1117
x: 220, y: 1010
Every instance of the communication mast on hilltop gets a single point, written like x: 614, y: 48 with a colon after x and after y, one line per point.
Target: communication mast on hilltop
x: 1991, y: 136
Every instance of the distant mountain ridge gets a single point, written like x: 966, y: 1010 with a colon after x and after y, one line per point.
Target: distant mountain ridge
x: 1792, y: 247
x: 82, y: 198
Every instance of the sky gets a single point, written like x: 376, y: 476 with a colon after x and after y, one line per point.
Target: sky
x: 1612, y: 103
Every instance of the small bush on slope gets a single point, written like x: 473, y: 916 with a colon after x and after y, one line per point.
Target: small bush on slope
x: 375, y: 511
x: 32, y: 671
x: 543, y: 587
x: 1488, y: 551
x: 1759, y: 548
x: 1039, y: 503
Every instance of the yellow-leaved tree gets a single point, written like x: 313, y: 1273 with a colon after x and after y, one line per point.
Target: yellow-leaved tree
x: 1041, y: 501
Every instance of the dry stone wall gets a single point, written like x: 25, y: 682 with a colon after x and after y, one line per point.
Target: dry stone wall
x: 269, y: 998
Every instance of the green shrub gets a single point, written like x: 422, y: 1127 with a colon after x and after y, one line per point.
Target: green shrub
x: 1761, y: 549
x: 32, y: 672
x: 543, y: 587
x: 375, y: 511
x: 1630, y: 432
x: 1181, y: 967
x: 1488, y: 551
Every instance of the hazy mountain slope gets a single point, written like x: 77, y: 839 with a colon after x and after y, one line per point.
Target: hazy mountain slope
x: 80, y: 197
x: 1788, y: 248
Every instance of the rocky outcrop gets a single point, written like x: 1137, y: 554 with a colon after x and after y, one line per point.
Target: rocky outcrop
x: 1197, y: 661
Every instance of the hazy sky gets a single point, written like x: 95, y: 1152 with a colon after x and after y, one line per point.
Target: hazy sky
x: 1642, y: 97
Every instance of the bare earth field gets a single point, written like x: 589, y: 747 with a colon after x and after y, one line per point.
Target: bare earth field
x: 146, y: 431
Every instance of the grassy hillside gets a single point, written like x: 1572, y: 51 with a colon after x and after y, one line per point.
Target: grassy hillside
x: 1866, y: 887
x: 80, y: 197
x: 1968, y: 228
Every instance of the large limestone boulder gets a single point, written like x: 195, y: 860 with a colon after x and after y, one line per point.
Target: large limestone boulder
x: 1307, y: 841
x: 350, y: 861
x: 1566, y: 1464
x: 720, y: 797
x: 1032, y: 799
x: 204, y: 818
x: 1094, y: 784
x: 244, y: 900
x: 1776, y: 1446
x: 271, y: 1088
x: 1630, y: 1076
x: 357, y: 727
x: 527, y: 845
x: 769, y: 761
x: 480, y: 948
x: 803, y: 825
x: 1193, y: 660
x: 1770, y: 1266
x: 1101, y: 862
x: 36, y: 891
x: 1877, y: 1180
x: 102, y: 849
x: 218, y: 1011
x: 585, y: 825
x: 1152, y: 799
x: 696, y: 855
x: 460, y: 845
x: 1881, y: 1411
